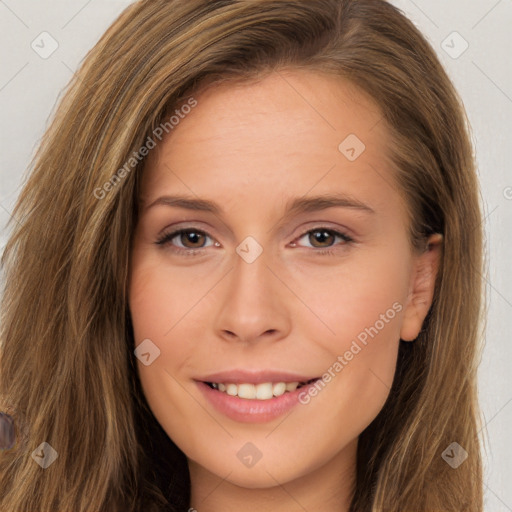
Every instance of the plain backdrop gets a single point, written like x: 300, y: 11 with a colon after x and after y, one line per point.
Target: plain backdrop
x: 473, y: 39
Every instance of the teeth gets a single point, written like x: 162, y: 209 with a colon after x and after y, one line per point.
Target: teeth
x: 279, y: 389
x: 247, y: 391
x: 264, y: 391
x: 232, y: 389
x: 291, y: 386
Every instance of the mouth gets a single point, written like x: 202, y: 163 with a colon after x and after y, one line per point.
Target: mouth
x: 261, y: 391
x: 249, y: 402
x: 254, y: 395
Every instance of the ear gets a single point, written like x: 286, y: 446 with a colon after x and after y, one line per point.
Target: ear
x: 421, y: 293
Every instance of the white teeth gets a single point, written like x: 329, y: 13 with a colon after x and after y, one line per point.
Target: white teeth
x: 279, y: 389
x: 264, y: 391
x: 246, y: 391
x: 232, y: 389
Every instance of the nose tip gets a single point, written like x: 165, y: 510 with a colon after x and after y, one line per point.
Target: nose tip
x: 252, y: 301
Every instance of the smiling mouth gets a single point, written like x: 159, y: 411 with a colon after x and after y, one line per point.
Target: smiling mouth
x: 263, y: 391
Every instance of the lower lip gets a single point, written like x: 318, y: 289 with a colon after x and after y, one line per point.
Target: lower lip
x: 250, y: 410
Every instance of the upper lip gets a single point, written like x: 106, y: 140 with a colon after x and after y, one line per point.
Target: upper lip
x: 255, y: 377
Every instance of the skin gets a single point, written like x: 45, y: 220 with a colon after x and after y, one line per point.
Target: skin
x: 250, y: 148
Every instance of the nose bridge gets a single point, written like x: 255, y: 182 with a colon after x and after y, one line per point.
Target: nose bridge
x: 251, y: 277
x: 251, y: 304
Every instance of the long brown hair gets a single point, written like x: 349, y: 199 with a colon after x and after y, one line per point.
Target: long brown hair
x: 67, y: 363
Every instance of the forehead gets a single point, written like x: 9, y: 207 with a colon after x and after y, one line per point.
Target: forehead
x: 287, y: 132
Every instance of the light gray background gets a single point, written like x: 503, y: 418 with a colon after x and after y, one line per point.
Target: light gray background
x: 30, y: 86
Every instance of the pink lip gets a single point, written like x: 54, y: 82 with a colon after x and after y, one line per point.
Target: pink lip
x: 254, y: 377
x: 246, y: 410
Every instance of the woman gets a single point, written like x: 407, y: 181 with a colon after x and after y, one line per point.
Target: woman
x: 259, y: 369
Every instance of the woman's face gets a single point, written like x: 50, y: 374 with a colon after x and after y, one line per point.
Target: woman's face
x: 262, y: 294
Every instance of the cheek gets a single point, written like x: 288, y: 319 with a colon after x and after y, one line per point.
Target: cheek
x: 157, y: 313
x: 361, y: 298
x: 165, y: 307
x: 361, y: 307
x: 162, y: 300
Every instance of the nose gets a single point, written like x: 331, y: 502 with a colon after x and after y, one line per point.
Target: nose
x: 254, y: 303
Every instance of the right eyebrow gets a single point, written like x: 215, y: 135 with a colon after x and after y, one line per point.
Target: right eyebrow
x: 190, y: 203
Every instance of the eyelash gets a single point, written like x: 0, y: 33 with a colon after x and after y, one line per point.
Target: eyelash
x: 167, y: 237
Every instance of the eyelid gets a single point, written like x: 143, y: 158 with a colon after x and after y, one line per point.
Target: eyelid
x: 341, y: 230
x: 340, y: 233
x: 168, y: 235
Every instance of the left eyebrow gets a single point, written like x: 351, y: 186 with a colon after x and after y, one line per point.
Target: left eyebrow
x: 322, y: 202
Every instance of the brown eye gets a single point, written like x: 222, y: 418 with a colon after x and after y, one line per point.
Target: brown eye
x: 322, y: 240
x: 321, y: 237
x: 191, y: 239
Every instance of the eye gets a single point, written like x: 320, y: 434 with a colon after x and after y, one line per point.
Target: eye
x: 323, y: 238
x: 192, y: 240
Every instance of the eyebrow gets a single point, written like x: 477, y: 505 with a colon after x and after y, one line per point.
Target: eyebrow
x: 293, y: 206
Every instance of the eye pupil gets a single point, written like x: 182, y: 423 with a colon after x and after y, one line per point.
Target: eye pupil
x: 191, y: 236
x: 318, y: 235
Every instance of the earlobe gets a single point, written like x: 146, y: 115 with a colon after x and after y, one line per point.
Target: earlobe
x: 423, y: 279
